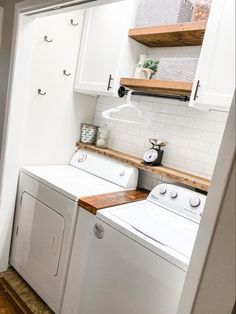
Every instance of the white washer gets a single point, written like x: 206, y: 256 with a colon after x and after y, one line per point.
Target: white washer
x: 46, y: 216
x: 140, y: 253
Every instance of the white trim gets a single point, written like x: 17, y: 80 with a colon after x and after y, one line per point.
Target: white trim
x: 211, y: 213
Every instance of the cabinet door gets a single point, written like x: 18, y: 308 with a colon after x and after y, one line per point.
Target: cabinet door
x: 215, y: 78
x: 105, y: 31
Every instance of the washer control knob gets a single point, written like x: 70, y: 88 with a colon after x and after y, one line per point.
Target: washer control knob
x: 163, y: 190
x: 194, y: 201
x: 173, y: 194
x: 122, y: 173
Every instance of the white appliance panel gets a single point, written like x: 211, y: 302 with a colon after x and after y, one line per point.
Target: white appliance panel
x: 41, y: 245
x: 161, y: 225
x: 44, y: 267
x: 106, y: 168
x: 71, y: 182
x: 120, y: 278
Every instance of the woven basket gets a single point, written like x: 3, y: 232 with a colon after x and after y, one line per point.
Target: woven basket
x: 161, y: 12
x: 177, y: 69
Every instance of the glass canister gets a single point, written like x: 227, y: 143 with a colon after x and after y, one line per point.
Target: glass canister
x: 102, y: 137
x: 201, y: 10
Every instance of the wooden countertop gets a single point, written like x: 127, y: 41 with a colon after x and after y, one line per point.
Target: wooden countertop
x: 94, y: 203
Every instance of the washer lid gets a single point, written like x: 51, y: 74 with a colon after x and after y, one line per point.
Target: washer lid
x: 161, y: 225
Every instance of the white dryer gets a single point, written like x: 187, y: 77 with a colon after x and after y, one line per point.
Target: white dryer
x: 46, y: 217
x: 139, y: 254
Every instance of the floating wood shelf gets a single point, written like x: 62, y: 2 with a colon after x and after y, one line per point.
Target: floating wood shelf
x: 176, y: 175
x: 187, y: 34
x: 158, y: 86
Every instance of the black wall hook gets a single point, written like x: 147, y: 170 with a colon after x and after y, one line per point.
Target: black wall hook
x: 65, y: 73
x: 47, y: 40
x: 41, y: 93
x: 72, y: 22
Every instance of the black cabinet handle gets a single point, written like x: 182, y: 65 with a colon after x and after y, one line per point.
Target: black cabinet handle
x: 196, y: 91
x: 109, y: 82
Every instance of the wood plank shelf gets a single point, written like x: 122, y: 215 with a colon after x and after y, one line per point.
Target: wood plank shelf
x: 158, y: 86
x: 173, y: 174
x: 186, y: 34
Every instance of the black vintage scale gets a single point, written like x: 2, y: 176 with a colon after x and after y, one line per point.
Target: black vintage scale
x: 154, y: 155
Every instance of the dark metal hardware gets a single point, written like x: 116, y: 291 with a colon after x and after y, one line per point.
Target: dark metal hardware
x: 66, y: 74
x: 99, y: 231
x: 109, y: 82
x: 40, y: 92
x: 47, y: 40
x: 196, y: 91
x: 123, y: 92
x: 73, y: 23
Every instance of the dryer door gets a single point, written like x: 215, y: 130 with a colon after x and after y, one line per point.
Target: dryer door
x: 39, y: 234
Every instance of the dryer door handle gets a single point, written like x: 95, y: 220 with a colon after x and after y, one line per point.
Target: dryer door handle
x: 54, y: 245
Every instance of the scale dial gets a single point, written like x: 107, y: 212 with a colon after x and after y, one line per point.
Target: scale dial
x: 150, y: 155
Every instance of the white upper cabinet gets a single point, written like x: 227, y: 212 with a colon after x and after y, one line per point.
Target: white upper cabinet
x: 215, y: 78
x: 103, y: 48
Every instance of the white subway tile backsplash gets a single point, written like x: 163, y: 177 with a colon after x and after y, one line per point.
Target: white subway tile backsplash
x: 212, y: 137
x: 206, y: 158
x: 193, y: 136
x: 219, y: 126
x: 218, y: 115
x: 209, y: 169
x: 191, y: 133
x: 200, y: 146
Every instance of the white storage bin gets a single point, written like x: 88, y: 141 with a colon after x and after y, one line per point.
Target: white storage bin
x: 177, y: 69
x: 161, y: 12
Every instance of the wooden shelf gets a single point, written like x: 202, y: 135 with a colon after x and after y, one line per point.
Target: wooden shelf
x: 187, y: 34
x: 176, y: 175
x: 158, y: 86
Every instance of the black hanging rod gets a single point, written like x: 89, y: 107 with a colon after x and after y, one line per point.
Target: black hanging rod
x: 123, y: 92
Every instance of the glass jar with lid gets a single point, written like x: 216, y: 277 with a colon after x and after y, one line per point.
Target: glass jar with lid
x: 102, y: 137
x: 201, y: 10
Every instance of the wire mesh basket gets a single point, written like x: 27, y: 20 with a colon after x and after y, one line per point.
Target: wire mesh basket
x: 177, y: 69
x: 88, y: 133
x: 161, y: 12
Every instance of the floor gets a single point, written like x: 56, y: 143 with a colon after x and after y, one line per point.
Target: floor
x: 27, y: 295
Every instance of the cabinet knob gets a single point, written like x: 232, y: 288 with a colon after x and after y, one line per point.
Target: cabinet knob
x: 109, y: 82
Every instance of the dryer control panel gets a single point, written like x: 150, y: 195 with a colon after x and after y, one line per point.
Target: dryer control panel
x: 182, y: 201
x: 106, y: 168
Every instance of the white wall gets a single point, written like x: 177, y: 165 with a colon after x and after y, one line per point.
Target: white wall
x: 210, y: 282
x: 42, y: 130
x: 1, y: 23
x: 193, y: 136
x: 216, y: 293
x: 52, y: 122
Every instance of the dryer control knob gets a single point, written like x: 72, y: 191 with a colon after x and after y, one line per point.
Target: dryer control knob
x: 194, y: 201
x: 122, y: 173
x: 82, y: 157
x: 163, y: 190
x: 173, y: 194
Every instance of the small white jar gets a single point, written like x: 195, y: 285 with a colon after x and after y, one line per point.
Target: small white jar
x: 102, y: 137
